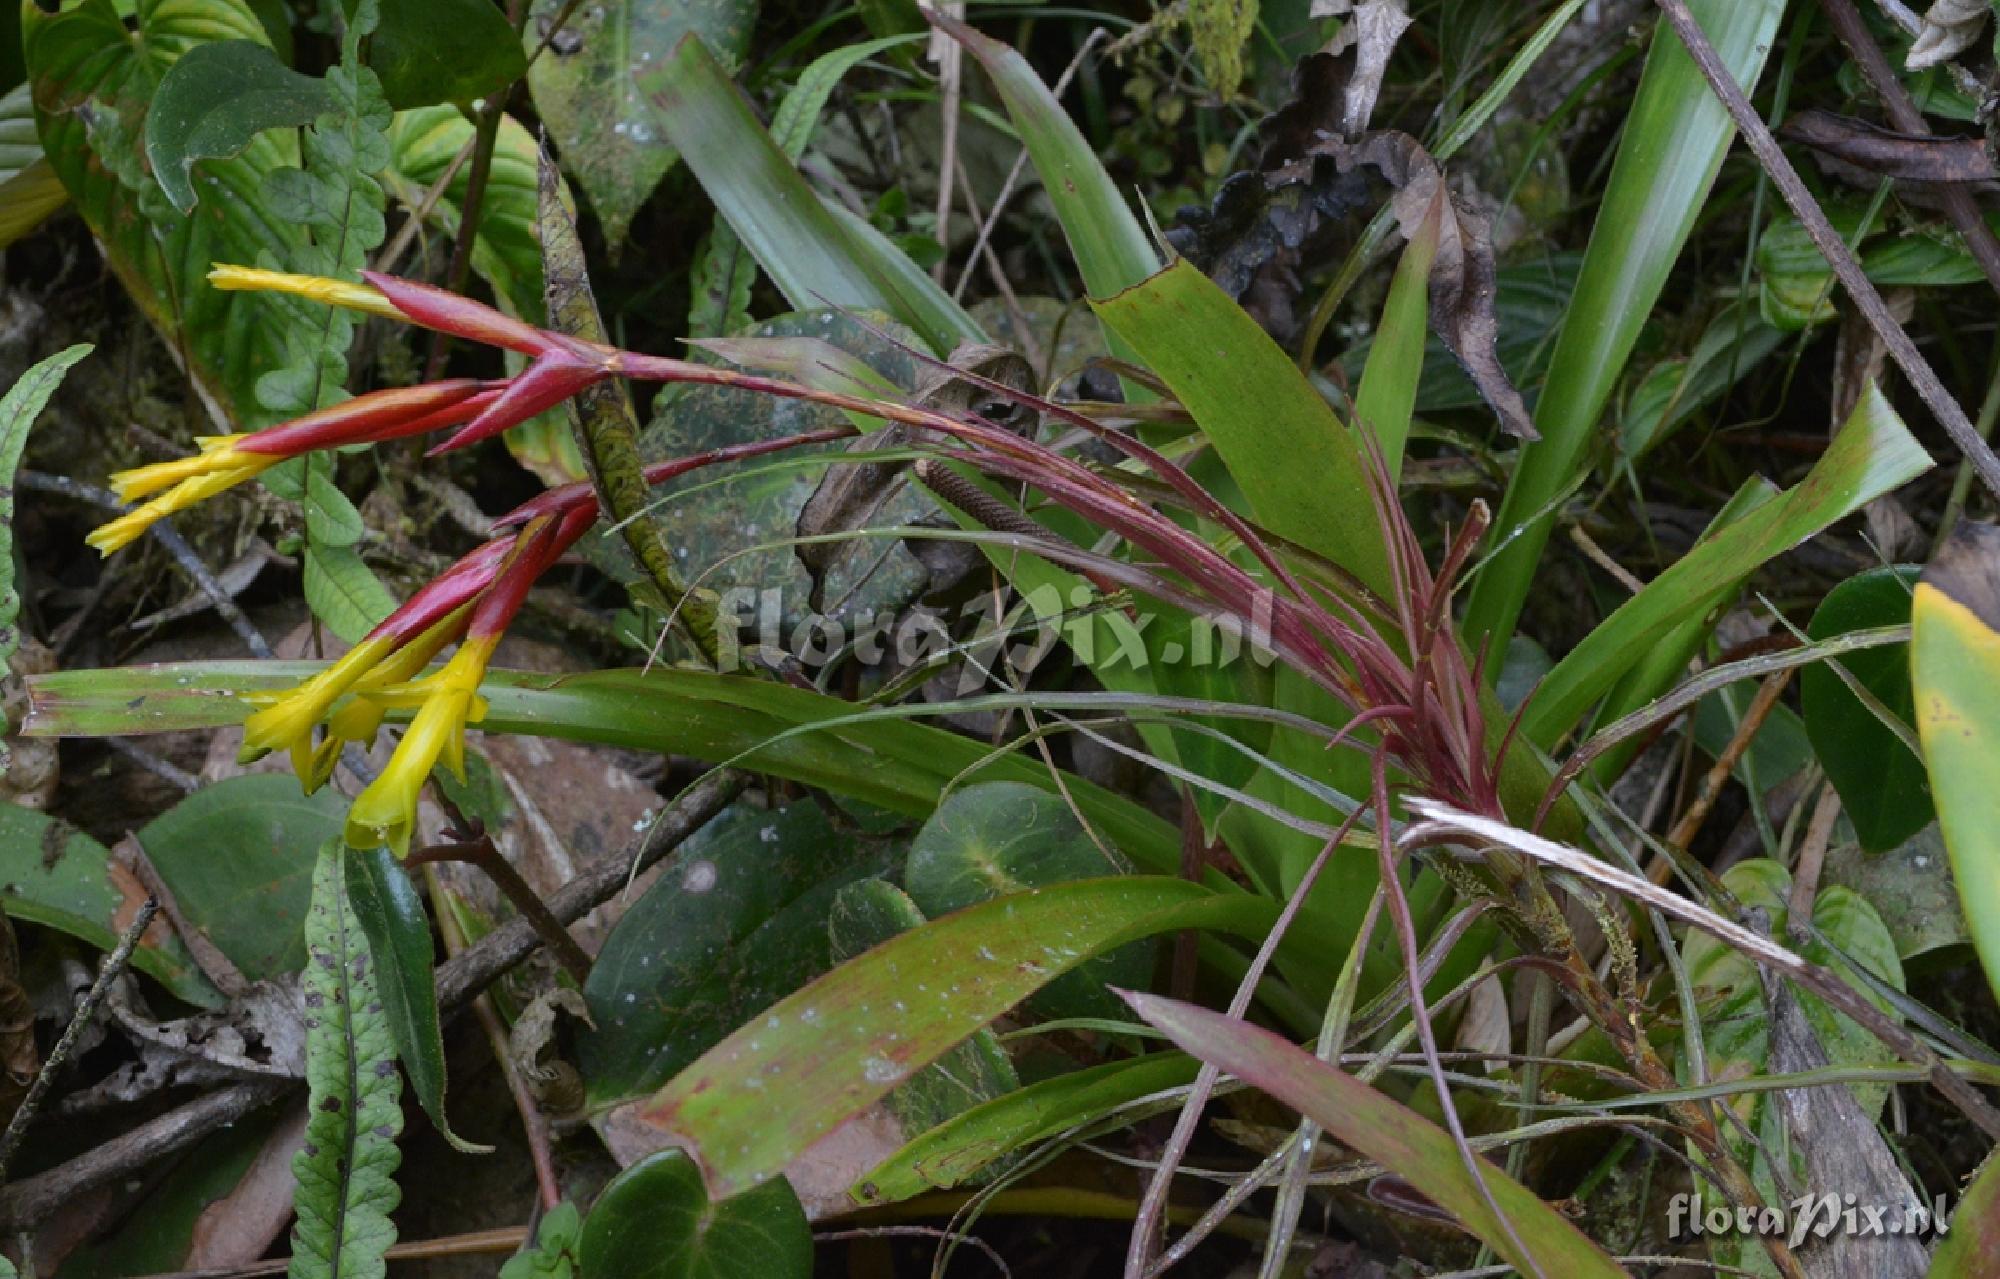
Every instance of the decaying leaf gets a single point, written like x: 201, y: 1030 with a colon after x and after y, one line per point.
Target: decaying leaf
x: 1908, y: 156
x: 1372, y: 29
x: 1295, y: 205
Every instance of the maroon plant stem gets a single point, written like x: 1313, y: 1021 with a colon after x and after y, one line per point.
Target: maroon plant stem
x: 481, y: 852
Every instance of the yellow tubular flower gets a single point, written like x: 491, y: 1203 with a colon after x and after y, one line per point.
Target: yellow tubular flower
x: 317, y: 288
x: 287, y: 720
x: 386, y: 812
x: 218, y: 453
x: 359, y: 719
x: 205, y: 478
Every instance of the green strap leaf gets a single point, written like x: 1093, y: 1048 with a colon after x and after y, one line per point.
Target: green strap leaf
x: 1275, y: 433
x: 22, y: 404
x: 1675, y: 138
x: 960, y: 1148
x: 889, y: 761
x: 346, y: 1171
x: 1112, y: 250
x: 829, y: 1051
x: 215, y: 100
x: 399, y: 936
x: 809, y: 253
x: 1873, y: 454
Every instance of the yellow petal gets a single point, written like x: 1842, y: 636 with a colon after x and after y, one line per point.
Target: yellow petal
x: 217, y: 453
x: 288, y: 723
x: 386, y: 812
x: 126, y: 528
x: 318, y: 288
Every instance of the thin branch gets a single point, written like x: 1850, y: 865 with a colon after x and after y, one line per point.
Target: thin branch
x: 167, y: 536
x: 86, y: 1010
x: 1833, y: 248
x: 1959, y: 204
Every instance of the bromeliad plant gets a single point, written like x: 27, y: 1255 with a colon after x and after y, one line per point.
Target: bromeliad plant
x: 1377, y: 710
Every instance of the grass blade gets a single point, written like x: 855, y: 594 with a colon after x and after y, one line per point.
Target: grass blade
x: 1397, y: 1138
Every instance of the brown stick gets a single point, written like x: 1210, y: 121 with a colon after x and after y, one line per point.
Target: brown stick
x: 1959, y: 204
x: 1717, y: 776
x: 27, y: 1203
x: 1834, y: 249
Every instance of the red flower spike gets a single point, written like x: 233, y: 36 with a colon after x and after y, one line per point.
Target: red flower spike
x: 376, y: 416
x: 551, y: 379
x: 447, y: 312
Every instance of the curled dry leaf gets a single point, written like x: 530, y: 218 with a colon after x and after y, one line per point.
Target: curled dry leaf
x: 1950, y: 28
x: 1372, y: 30
x: 1295, y: 206
x: 1907, y: 156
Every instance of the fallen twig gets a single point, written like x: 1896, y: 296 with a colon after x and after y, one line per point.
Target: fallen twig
x: 1832, y: 247
x: 86, y: 1009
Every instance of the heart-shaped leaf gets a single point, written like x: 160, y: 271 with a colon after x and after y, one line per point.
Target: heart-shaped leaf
x: 213, y: 101
x: 655, y: 1221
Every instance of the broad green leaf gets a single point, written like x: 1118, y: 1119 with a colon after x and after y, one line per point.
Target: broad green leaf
x: 1112, y: 250
x: 347, y: 1170
x: 867, y: 912
x: 1533, y: 1237
x: 957, y: 1151
x: 55, y: 875
x: 1735, y: 1024
x: 238, y: 858
x: 778, y: 1084
x: 453, y: 51
x: 344, y: 592
x: 1675, y: 136
x: 1733, y: 344
x: 93, y: 81
x: 399, y: 937
x: 1000, y: 838
x: 594, y: 86
x: 552, y: 1253
x: 813, y: 257
x: 29, y: 188
x: 217, y: 98
x: 1955, y: 675
x: 891, y: 762
x: 1873, y: 454
x: 1882, y: 785
x: 736, y: 921
x: 1736, y: 1021
x: 19, y: 408
x: 1300, y: 468
x: 655, y: 1221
